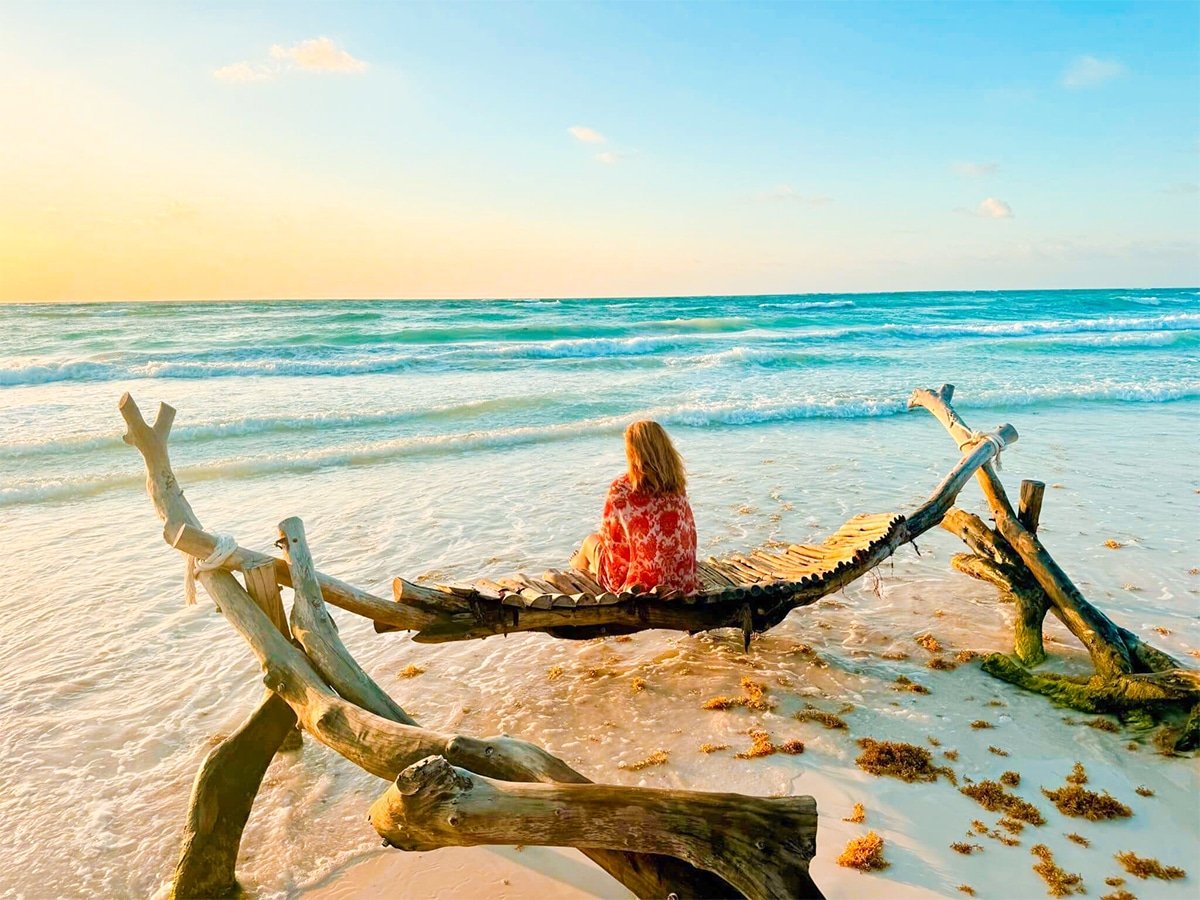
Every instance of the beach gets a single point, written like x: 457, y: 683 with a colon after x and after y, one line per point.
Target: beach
x: 443, y: 440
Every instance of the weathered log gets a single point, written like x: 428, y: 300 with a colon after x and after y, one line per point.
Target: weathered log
x: 378, y: 745
x: 222, y: 796
x: 761, y: 846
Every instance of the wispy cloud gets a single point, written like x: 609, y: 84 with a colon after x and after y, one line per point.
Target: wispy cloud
x: 244, y: 71
x: 586, y: 135
x: 609, y: 157
x: 318, y: 54
x: 993, y: 208
x: 1088, y: 71
x: 975, y: 169
x: 785, y: 193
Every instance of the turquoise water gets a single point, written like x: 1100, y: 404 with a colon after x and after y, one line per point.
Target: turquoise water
x: 453, y: 438
x: 294, y: 387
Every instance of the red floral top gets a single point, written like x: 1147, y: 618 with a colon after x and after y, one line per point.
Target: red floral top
x: 647, y: 540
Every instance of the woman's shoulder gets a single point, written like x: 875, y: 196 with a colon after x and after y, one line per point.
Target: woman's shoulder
x: 620, y: 484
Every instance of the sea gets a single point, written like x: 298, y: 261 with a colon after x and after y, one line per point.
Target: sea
x: 445, y: 439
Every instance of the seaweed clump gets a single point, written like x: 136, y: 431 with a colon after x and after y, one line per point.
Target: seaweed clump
x: 1079, y: 802
x: 908, y: 762
x: 828, y: 719
x: 904, y: 683
x: 761, y: 745
x: 929, y: 642
x: 1121, y: 894
x: 754, y: 696
x: 994, y: 798
x: 1142, y: 791
x: 964, y: 848
x: 410, y: 671
x: 1012, y: 779
x: 858, y: 815
x: 1148, y: 868
x: 1059, y: 882
x: 713, y: 748
x: 864, y: 853
x: 1078, y: 775
x: 657, y: 758
x: 1079, y: 839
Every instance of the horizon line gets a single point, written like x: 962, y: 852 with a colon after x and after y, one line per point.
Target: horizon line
x: 596, y: 297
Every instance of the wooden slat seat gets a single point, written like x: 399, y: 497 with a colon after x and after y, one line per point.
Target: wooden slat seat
x: 760, y: 577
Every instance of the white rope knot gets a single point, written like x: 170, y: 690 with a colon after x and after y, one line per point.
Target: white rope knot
x: 226, y: 546
x: 991, y: 437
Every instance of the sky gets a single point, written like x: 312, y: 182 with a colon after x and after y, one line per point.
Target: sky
x: 408, y: 150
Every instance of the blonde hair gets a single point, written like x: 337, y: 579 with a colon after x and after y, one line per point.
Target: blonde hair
x: 655, y: 466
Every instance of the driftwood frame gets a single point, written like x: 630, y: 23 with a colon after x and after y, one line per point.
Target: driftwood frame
x: 449, y: 789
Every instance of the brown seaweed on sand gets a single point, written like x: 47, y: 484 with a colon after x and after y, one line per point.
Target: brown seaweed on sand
x: 1059, y: 882
x: 1079, y: 839
x: 657, y: 758
x: 1011, y: 825
x: 904, y: 683
x: 907, y: 762
x: 982, y: 723
x: 828, y: 719
x: 1078, y: 774
x: 1103, y: 725
x: 761, y: 745
x: 1142, y: 791
x: 858, y: 815
x: 1079, y: 802
x: 966, y: 889
x: 1010, y: 778
x: 410, y: 671
x: 754, y: 696
x: 964, y: 848
x: 864, y: 853
x: 994, y: 798
x: 1148, y: 868
x: 713, y: 748
x: 1121, y: 894
x: 929, y: 642
x: 997, y: 751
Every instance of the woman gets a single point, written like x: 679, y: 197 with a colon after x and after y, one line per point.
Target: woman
x: 647, y: 537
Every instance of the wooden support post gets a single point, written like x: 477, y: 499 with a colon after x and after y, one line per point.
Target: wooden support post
x: 759, y: 845
x: 262, y: 587
x: 222, y: 795
x: 1029, y: 510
